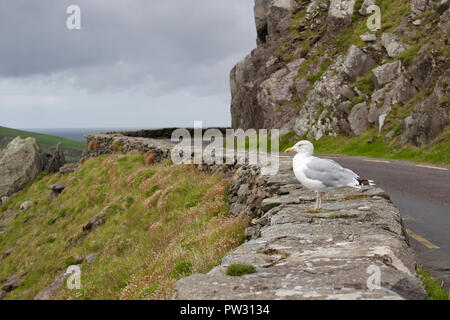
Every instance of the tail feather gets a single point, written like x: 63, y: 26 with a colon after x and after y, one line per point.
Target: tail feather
x: 365, y: 182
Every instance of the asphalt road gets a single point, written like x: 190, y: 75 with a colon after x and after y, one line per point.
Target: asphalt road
x: 422, y: 193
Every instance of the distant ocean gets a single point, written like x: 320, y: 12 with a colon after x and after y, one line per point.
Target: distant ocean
x: 75, y: 133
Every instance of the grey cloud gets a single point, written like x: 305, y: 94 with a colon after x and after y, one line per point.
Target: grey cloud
x: 169, y: 44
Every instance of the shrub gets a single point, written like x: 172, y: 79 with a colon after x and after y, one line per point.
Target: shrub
x: 237, y: 270
x: 182, y: 269
x: 94, y: 145
x: 149, y: 158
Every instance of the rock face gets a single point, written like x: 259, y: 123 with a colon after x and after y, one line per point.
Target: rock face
x: 56, y: 160
x: 20, y: 163
x: 340, y: 15
x: 311, y: 67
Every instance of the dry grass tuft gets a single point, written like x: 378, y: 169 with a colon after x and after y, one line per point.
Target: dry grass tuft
x: 162, y: 223
x: 149, y: 158
x: 94, y: 145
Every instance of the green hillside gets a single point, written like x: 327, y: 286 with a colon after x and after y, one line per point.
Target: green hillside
x: 155, y: 224
x: 72, y: 148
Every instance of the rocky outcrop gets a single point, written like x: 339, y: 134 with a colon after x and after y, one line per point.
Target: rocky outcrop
x: 316, y: 60
x: 55, y: 161
x: 20, y: 163
x: 339, y: 15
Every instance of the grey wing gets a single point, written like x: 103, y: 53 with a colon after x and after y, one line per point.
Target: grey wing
x: 330, y: 173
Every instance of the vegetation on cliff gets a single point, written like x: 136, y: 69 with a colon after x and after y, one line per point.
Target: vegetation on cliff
x: 145, y: 226
x: 319, y: 73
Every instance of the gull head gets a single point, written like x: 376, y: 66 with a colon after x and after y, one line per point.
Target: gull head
x: 302, y: 147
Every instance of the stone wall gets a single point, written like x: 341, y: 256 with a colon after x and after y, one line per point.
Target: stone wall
x: 298, y: 253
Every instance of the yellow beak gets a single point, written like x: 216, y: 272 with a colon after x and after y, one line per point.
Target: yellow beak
x: 289, y: 150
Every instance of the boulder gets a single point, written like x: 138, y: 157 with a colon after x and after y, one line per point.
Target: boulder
x: 365, y: 6
x: 57, y: 188
x: 393, y: 45
x: 69, y: 168
x: 91, y: 258
x: 358, y: 119
x: 370, y: 37
x: 357, y: 63
x: 11, y: 285
x: 340, y: 15
x: 7, y: 253
x: 20, y: 163
x: 26, y: 205
x: 386, y: 73
x: 4, y: 200
x: 95, y: 222
x: 268, y: 14
x: 443, y: 6
x: 419, y: 6
x: 56, y: 161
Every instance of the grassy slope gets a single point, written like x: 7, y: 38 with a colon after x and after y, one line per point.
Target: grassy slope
x: 393, y: 12
x: 434, y: 289
x: 163, y: 222
x: 72, y: 148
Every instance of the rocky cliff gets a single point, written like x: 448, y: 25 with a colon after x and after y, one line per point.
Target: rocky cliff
x: 318, y: 70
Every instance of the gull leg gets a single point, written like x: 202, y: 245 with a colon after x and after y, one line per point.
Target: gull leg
x: 320, y: 200
x: 317, y: 201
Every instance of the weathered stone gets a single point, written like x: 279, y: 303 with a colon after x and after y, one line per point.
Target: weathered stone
x: 7, y: 253
x: 419, y: 6
x: 347, y: 92
x: 4, y: 200
x: 11, y: 285
x: 95, y: 222
x: 340, y: 15
x: 357, y: 63
x: 358, y: 119
x: 443, y: 6
x: 386, y: 73
x: 2, y: 294
x: 91, y: 258
x: 370, y: 37
x: 56, y: 161
x: 365, y: 7
x: 393, y: 45
x: 20, y: 163
x: 26, y: 205
x: 69, y: 168
x: 268, y: 14
x: 57, y: 188
x: 48, y: 292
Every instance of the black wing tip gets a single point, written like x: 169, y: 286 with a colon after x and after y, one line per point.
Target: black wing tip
x: 365, y: 182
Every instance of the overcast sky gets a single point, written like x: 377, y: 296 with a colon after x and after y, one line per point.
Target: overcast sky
x: 134, y: 63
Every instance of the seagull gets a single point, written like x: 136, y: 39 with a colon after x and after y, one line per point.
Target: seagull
x: 322, y: 175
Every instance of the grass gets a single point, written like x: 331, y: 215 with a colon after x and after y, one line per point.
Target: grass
x: 72, y: 148
x: 163, y: 222
x: 238, y: 270
x: 434, y: 289
x: 360, y: 146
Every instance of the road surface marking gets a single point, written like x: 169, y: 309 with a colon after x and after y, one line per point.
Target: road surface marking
x: 422, y: 240
x: 431, y: 167
x: 379, y: 161
x: 408, y: 219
